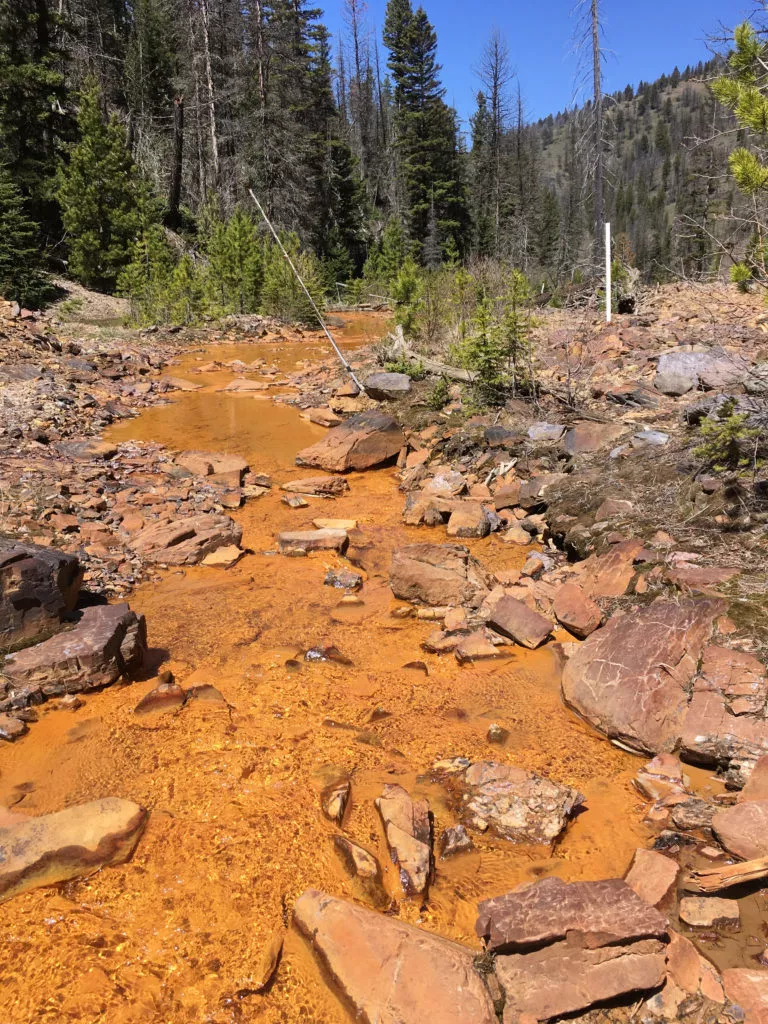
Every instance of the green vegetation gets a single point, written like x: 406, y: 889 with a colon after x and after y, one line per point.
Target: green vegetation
x: 726, y: 440
x: 414, y: 370
x: 20, y: 278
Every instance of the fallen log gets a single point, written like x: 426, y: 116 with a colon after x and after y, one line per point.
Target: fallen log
x: 716, y: 879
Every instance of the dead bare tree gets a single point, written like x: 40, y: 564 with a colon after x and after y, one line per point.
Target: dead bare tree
x: 495, y: 73
x: 591, y: 59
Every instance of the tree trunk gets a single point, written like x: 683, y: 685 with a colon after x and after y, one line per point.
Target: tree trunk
x: 205, y: 20
x: 598, y: 101
x: 174, y: 192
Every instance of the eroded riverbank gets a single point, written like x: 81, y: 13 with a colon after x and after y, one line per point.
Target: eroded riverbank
x: 236, y: 832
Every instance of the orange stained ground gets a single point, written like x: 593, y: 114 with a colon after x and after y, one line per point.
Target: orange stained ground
x: 235, y: 832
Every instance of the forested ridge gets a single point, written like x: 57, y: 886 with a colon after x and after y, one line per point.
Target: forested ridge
x: 132, y: 130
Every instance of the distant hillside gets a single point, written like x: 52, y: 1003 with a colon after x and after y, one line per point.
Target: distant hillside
x: 663, y: 174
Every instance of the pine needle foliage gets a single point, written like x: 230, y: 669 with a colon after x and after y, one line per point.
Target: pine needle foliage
x: 100, y: 195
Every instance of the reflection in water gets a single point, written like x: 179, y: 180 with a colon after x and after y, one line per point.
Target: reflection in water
x: 235, y: 833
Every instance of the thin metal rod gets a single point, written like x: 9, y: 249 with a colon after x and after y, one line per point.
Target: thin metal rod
x: 608, y: 283
x: 291, y: 264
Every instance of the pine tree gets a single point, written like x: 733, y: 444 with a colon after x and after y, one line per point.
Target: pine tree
x: 145, y: 279
x: 281, y: 294
x: 20, y: 279
x: 236, y: 264
x: 33, y: 121
x: 100, y: 196
x: 426, y: 131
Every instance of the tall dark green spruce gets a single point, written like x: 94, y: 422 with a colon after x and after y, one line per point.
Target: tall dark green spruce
x: 101, y: 197
x: 33, y: 105
x: 20, y: 279
x: 426, y: 131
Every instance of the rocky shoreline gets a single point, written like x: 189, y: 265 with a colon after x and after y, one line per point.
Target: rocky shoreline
x: 648, y: 616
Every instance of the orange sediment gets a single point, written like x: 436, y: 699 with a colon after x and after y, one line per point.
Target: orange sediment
x: 236, y: 832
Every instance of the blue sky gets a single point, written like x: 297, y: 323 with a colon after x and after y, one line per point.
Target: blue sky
x: 645, y: 40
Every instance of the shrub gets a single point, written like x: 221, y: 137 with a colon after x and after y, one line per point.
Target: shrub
x: 439, y: 394
x: 727, y: 441
x: 413, y: 370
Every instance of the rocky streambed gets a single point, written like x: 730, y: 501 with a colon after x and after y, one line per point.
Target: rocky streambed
x: 326, y: 781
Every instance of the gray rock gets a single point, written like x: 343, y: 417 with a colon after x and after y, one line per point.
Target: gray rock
x: 713, y: 368
x: 546, y: 431
x: 674, y: 384
x: 655, y: 438
x: 384, y: 387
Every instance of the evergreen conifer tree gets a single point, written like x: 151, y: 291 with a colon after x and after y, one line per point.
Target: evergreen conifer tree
x: 20, y: 279
x: 426, y: 132
x: 100, y: 196
x: 236, y: 264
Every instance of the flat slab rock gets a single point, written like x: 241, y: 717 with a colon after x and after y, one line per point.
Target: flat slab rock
x: 186, y: 541
x: 55, y: 847
x: 512, y: 803
x: 588, y: 914
x: 364, y: 440
x: 564, y: 947
x: 514, y: 619
x: 408, y: 830
x: 211, y: 463
x: 749, y: 990
x: 439, y: 575
x: 632, y: 678
x: 328, y: 486
x: 389, y: 972
x: 652, y: 875
x: 109, y: 642
x: 559, y: 979
x: 38, y: 587
x: 304, y: 541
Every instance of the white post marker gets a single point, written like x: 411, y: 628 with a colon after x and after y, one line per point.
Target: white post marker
x: 608, y: 285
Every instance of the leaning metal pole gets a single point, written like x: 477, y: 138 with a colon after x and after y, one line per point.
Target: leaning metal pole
x: 291, y: 264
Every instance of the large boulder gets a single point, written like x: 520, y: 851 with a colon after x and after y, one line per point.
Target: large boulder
x: 563, y: 947
x: 362, y: 441
x: 38, y: 587
x: 186, y: 541
x: 438, y: 575
x: 55, y: 847
x: 713, y: 368
x: 109, y: 642
x: 389, y: 972
x: 387, y: 387
x: 632, y: 678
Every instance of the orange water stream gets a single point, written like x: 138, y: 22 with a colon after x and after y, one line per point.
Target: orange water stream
x: 236, y: 832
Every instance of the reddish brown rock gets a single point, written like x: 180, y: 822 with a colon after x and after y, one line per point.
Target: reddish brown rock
x: 513, y: 803
x: 362, y: 866
x: 212, y: 464
x: 108, y: 642
x: 38, y: 587
x: 55, y: 847
x: 334, y: 799
x: 577, y: 612
x: 699, y: 578
x: 362, y: 441
x: 749, y: 990
x: 757, y: 784
x: 743, y: 829
x: 560, y: 980
x: 588, y: 914
x: 185, y: 541
x: 327, y: 486
x: 610, y: 574
x: 587, y: 436
x: 708, y: 911
x: 389, y: 972
x: 11, y: 728
x: 408, y: 829
x: 632, y: 677
x: 533, y: 491
x: 469, y: 520
x: 516, y: 620
x: 438, y: 575
x: 475, y: 647
x: 323, y: 416
x: 507, y: 496
x: 688, y: 969
x: 652, y: 876
x: 303, y: 541
x: 166, y: 696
